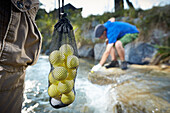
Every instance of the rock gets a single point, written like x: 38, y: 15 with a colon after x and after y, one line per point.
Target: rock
x: 159, y: 37
x: 164, y: 66
x: 47, y: 52
x: 139, y: 53
x: 88, y: 30
x: 86, y: 51
x: 109, y: 76
x: 88, y: 34
x: 123, y: 19
x: 105, y: 76
x: 135, y: 99
x: 99, y: 49
x: 139, y: 89
x: 95, y: 23
x: 135, y: 53
x: 136, y: 21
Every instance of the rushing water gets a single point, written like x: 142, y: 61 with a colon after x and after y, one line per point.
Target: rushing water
x: 89, y: 97
x: 143, y: 90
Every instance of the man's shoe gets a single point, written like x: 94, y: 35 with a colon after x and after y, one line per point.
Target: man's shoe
x: 123, y: 65
x: 113, y: 63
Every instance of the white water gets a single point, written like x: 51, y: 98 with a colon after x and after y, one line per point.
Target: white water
x: 90, y: 98
x: 152, y: 91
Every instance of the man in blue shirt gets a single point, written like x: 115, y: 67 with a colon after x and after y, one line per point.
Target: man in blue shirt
x: 117, y: 35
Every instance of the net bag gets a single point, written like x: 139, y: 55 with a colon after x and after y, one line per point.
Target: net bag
x: 64, y: 63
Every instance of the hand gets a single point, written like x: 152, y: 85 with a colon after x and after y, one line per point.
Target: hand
x: 112, y: 19
x: 96, y: 67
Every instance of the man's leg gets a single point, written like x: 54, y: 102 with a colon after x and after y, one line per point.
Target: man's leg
x: 11, y: 89
x: 121, y: 53
x: 112, y: 53
x: 120, y: 47
x: 16, y: 30
x: 114, y: 62
x: 120, y: 50
x: 11, y: 78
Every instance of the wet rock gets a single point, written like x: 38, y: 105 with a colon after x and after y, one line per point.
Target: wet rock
x: 86, y: 51
x: 105, y: 76
x: 114, y: 75
x: 134, y: 99
x: 139, y: 89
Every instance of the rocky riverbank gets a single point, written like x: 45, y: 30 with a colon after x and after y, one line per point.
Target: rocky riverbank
x: 152, y: 45
x: 138, y: 89
x: 109, y: 76
x: 136, y: 53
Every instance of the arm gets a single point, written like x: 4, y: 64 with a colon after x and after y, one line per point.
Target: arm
x: 106, y: 54
x: 106, y: 41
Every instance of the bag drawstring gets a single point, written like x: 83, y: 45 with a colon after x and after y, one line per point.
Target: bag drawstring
x: 60, y: 12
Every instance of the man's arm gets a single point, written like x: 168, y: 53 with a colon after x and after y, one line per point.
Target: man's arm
x: 106, y: 54
x: 106, y: 41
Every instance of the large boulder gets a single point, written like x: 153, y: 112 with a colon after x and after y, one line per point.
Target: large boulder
x: 136, y: 53
x: 139, y: 89
x: 86, y: 51
x: 88, y: 30
x: 105, y: 76
x: 99, y: 49
x: 139, y: 53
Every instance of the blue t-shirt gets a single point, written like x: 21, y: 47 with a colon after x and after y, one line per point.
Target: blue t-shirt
x: 116, y: 30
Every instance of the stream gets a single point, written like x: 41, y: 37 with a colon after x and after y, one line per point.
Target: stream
x: 92, y: 98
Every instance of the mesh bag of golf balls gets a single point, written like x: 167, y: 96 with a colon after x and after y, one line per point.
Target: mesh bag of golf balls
x: 64, y: 63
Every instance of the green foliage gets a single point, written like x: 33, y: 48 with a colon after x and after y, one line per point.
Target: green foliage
x: 157, y: 17
x: 162, y: 56
x: 77, y: 32
x: 163, y: 49
x: 45, y: 23
x: 149, y: 19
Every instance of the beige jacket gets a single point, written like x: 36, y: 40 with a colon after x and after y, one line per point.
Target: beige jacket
x: 22, y: 41
x: 20, y: 44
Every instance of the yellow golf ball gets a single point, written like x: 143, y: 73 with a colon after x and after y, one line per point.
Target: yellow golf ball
x: 61, y: 64
x: 72, y: 62
x: 92, y: 71
x: 52, y: 80
x: 68, y: 98
x: 66, y: 50
x: 53, y: 92
x: 71, y: 74
x: 65, y: 86
x: 59, y: 73
x: 54, y: 57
